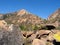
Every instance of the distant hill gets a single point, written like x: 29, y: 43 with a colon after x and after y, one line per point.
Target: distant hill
x: 24, y: 19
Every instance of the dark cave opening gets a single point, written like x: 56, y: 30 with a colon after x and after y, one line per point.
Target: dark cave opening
x: 49, y: 27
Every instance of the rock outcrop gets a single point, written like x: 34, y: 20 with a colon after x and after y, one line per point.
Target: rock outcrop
x: 22, y: 12
x: 3, y: 24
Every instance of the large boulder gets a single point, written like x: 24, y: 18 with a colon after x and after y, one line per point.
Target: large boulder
x: 12, y: 36
x: 38, y: 42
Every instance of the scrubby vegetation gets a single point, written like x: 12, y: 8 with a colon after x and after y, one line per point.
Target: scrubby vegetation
x: 31, y: 27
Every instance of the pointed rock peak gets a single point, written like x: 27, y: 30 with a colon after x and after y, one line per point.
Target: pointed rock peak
x: 22, y: 12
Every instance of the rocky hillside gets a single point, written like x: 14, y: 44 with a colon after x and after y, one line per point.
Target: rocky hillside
x: 22, y: 16
x: 28, y: 21
x: 24, y: 19
x: 54, y: 17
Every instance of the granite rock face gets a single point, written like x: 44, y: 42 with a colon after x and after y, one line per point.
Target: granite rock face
x: 11, y: 37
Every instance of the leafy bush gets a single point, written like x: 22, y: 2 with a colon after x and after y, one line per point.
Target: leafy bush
x: 35, y: 27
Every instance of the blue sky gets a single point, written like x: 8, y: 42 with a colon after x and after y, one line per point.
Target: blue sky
x: 42, y: 8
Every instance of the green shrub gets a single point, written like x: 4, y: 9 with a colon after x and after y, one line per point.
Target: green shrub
x: 22, y: 27
x: 37, y: 27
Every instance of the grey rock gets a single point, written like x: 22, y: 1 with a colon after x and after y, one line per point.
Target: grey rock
x: 13, y: 37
